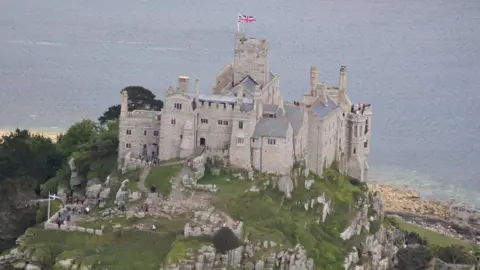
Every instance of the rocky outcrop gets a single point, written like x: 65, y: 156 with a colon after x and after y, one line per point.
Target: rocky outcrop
x: 125, y: 194
x: 75, y: 178
x: 259, y: 256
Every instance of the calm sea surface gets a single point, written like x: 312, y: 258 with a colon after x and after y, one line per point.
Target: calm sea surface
x: 417, y: 62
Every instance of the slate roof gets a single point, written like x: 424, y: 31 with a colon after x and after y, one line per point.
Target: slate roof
x: 277, y: 127
x: 271, y: 127
x: 294, y: 114
x: 270, y: 108
x: 321, y: 110
x: 221, y: 98
x: 248, y: 84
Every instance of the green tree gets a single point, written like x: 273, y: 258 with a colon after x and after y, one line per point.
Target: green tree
x: 78, y: 134
x: 138, y: 98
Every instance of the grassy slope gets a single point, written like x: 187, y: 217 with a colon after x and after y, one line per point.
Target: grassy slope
x: 161, y: 176
x: 434, y: 238
x: 267, y: 218
x: 112, y: 250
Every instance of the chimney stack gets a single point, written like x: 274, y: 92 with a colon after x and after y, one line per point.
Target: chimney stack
x: 183, y: 82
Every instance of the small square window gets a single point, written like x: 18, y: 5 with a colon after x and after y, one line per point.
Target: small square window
x: 178, y: 106
x: 128, y: 145
x: 155, y: 133
x: 129, y: 132
x: 272, y: 141
x: 240, y: 124
x: 240, y: 141
x: 173, y: 121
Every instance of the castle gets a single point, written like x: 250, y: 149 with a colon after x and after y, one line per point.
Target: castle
x: 246, y: 121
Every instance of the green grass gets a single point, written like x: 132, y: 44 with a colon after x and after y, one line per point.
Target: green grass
x: 433, y: 238
x: 268, y: 217
x: 127, y: 250
x: 160, y: 176
x: 180, y: 247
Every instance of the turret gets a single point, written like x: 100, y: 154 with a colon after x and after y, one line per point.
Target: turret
x: 124, y: 105
x: 313, y: 79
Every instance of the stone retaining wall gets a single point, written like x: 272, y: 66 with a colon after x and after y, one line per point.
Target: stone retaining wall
x: 51, y: 225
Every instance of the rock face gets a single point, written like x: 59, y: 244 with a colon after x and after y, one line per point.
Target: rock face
x: 75, y: 179
x: 259, y: 256
x: 123, y: 193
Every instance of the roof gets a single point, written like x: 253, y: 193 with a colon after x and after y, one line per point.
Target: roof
x: 270, y: 76
x: 248, y: 84
x: 321, y: 110
x: 294, y: 114
x: 271, y: 127
x: 221, y: 98
x: 271, y: 108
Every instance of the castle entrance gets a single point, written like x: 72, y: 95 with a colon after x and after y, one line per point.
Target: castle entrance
x: 202, y: 142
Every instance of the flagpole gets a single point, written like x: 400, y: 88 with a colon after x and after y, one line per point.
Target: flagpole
x: 238, y: 22
x: 48, y: 211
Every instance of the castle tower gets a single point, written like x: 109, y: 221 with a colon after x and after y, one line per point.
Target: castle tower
x: 250, y: 58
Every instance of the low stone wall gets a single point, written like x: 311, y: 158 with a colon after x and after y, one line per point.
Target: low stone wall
x: 51, y: 225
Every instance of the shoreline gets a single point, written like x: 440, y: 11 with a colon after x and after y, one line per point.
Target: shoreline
x: 447, y: 217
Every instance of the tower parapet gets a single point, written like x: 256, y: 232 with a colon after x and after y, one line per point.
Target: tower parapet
x: 250, y: 59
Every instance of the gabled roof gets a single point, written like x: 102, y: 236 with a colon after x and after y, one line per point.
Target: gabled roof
x: 321, y: 110
x: 295, y: 116
x: 271, y: 127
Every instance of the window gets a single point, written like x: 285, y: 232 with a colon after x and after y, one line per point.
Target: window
x: 173, y: 121
x: 366, y: 126
x: 240, y: 140
x: 354, y: 150
x: 145, y: 133
x: 128, y: 145
x: 365, y: 144
x: 222, y: 123
x: 178, y: 106
x: 240, y: 124
x: 129, y: 132
x: 272, y: 141
x: 181, y: 136
x: 155, y: 133
x: 204, y: 121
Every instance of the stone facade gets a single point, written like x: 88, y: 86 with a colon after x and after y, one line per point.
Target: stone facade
x: 246, y: 119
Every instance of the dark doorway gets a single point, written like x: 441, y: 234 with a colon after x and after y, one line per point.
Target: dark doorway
x: 202, y: 141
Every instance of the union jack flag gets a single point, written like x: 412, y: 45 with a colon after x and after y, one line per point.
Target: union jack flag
x: 245, y: 19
